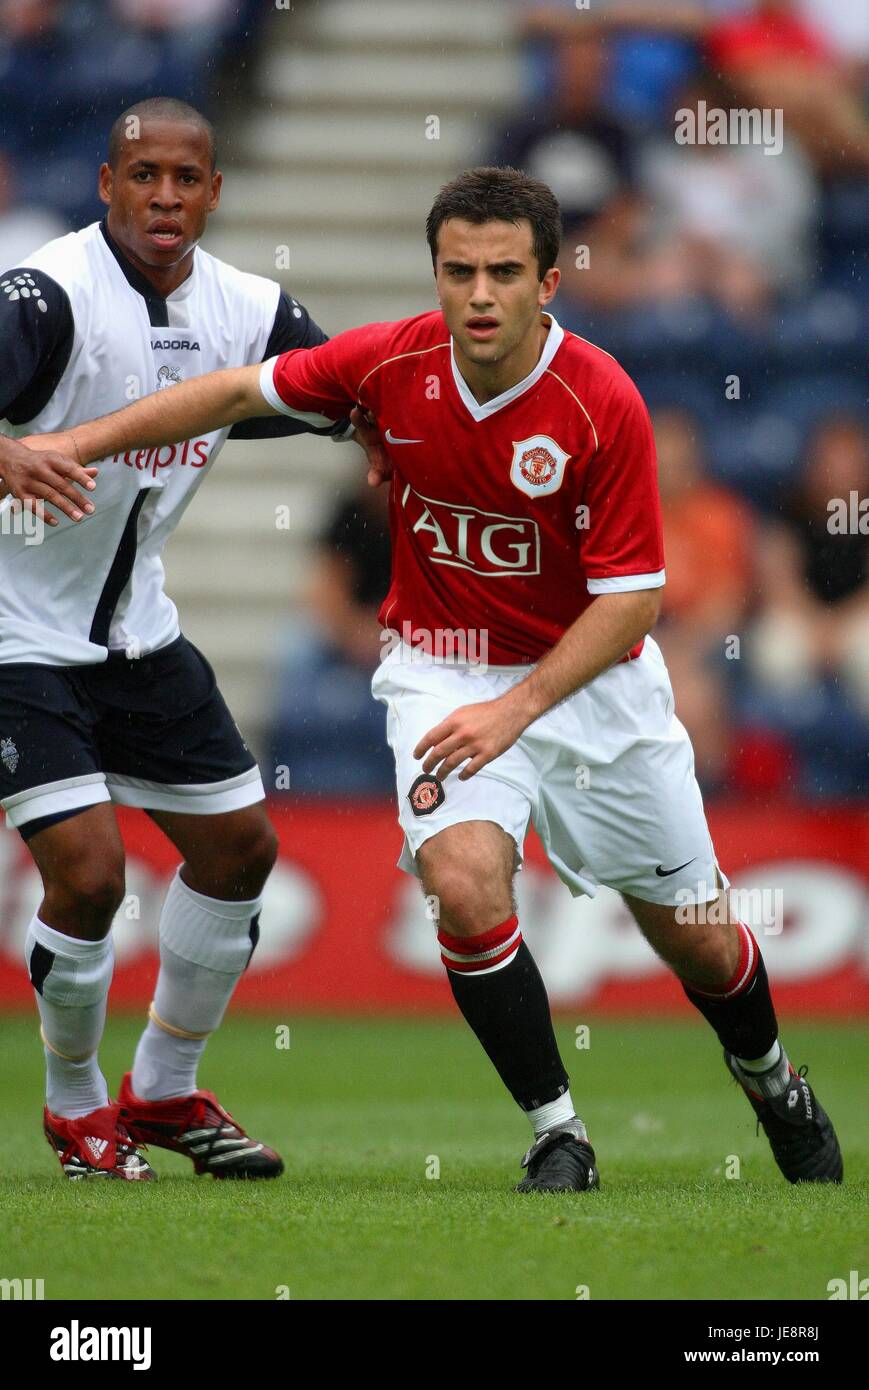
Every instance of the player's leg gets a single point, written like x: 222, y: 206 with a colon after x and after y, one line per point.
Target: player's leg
x: 635, y: 821
x: 69, y: 953
x: 209, y: 927
x: 54, y: 794
x: 69, y: 956
x: 170, y: 746
x: 467, y: 871
x: 463, y: 839
x: 719, y: 963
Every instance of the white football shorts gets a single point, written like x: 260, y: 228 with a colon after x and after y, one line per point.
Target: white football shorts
x: 606, y: 777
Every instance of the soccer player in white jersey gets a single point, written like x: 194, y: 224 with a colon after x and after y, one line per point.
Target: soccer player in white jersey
x: 101, y: 698
x: 526, y: 543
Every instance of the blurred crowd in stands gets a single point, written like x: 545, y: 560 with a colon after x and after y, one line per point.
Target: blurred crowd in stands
x: 69, y: 67
x: 731, y: 284
x: 728, y: 279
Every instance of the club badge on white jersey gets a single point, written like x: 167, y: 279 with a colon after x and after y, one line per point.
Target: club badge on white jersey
x: 538, y: 465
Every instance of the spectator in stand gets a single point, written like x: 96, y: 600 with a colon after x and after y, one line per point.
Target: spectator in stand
x: 729, y: 222
x: 770, y: 52
x: 67, y: 68
x: 583, y: 153
x: 22, y: 229
x: 644, y: 65
x: 813, y: 628
x: 190, y: 34
x: 845, y: 29
x: 720, y: 223
x: 709, y: 547
x: 328, y: 730
x: 775, y: 57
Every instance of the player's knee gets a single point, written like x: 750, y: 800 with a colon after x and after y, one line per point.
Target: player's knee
x: 242, y: 864
x: 88, y: 892
x: 263, y: 851
x: 469, y: 900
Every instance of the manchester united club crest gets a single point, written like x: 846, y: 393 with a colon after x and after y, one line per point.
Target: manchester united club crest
x: 8, y: 754
x: 538, y: 465
x: 426, y: 794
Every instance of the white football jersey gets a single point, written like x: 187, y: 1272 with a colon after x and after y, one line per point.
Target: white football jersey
x: 97, y: 584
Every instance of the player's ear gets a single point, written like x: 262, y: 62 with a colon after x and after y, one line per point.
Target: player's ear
x: 104, y: 184
x: 548, y: 286
x: 216, y: 185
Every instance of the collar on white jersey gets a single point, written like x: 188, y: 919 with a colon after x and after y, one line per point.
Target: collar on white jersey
x: 158, y: 310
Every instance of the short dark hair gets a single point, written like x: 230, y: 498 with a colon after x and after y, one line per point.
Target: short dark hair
x: 500, y: 194
x: 159, y: 109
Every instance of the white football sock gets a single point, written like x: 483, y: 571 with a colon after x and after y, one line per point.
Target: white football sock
x: 205, y: 945
x: 550, y: 1116
x: 769, y: 1059
x: 769, y: 1074
x: 71, y: 979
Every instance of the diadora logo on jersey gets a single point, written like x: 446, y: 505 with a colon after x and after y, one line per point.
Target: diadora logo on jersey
x: 488, y: 543
x: 175, y: 344
x: 8, y: 754
x: 538, y: 465
x: 193, y: 452
x: 167, y: 376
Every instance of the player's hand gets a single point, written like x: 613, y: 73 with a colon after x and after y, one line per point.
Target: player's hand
x: 42, y: 471
x: 473, y: 734
x: 367, y: 436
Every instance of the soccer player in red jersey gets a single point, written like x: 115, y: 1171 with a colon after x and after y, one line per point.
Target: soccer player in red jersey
x: 520, y: 680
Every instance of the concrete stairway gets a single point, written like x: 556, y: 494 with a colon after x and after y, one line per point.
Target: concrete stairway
x: 333, y: 165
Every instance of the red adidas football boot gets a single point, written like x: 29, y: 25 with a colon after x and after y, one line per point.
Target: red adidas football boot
x: 96, y: 1146
x: 198, y: 1126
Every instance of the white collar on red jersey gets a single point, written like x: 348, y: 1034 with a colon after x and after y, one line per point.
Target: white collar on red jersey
x: 553, y: 342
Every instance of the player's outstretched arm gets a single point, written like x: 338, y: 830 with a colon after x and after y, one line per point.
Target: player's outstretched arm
x: 192, y: 407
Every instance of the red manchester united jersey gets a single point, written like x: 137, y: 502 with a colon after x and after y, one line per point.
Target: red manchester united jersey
x: 507, y: 518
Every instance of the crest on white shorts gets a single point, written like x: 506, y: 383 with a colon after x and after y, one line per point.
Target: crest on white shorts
x: 9, y: 754
x: 538, y: 465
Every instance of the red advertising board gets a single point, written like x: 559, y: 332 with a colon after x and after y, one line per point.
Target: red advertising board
x: 343, y: 929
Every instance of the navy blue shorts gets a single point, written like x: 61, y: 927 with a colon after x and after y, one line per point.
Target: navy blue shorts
x: 154, y: 732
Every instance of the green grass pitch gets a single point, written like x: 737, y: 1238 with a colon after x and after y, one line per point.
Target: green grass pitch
x: 364, y: 1110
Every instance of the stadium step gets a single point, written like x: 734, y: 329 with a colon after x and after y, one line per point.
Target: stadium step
x: 340, y: 259
x: 346, y: 198
x: 442, y: 80
x: 403, y: 24
x: 364, y: 140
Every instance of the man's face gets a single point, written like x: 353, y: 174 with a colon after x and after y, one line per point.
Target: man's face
x: 161, y: 192
x: 486, y: 277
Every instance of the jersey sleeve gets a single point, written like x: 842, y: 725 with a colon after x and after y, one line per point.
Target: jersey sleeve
x: 622, y: 545
x: 36, y: 338
x: 322, y: 385
x: 293, y: 328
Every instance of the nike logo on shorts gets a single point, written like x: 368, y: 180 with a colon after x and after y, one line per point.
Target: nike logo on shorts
x: 665, y: 873
x: 391, y: 439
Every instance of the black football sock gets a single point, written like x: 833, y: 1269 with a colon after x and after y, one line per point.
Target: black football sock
x: 741, y: 1011
x: 508, y: 1009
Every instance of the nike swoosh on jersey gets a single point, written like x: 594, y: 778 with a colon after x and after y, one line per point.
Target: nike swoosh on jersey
x: 391, y: 439
x: 665, y: 873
